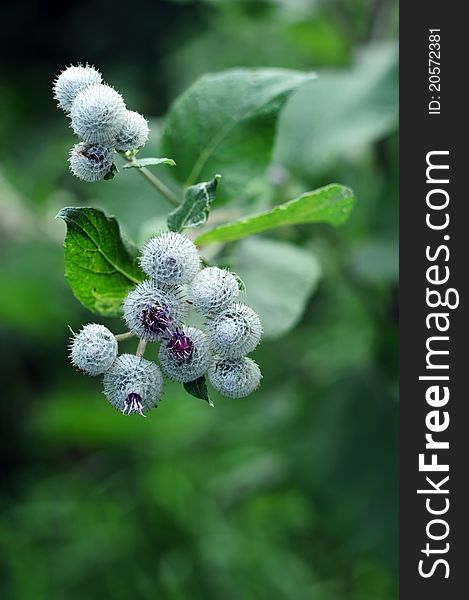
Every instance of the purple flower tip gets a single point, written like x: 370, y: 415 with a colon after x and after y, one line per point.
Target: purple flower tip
x: 156, y: 319
x: 133, y: 403
x: 180, y: 345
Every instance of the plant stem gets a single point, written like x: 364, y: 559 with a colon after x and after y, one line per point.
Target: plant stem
x: 141, y: 348
x: 124, y: 336
x: 154, y: 181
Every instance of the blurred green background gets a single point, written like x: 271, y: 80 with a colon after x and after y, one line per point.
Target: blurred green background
x: 289, y: 493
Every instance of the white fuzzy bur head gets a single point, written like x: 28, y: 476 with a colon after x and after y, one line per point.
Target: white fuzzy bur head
x: 235, y: 332
x: 235, y: 377
x: 133, y: 384
x: 71, y: 82
x: 213, y: 290
x: 134, y: 133
x: 149, y: 310
x: 98, y: 114
x: 186, y: 355
x: 93, y: 349
x: 170, y: 258
x: 90, y: 162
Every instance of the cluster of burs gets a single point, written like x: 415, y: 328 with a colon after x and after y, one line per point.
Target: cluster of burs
x: 100, y: 119
x: 156, y: 311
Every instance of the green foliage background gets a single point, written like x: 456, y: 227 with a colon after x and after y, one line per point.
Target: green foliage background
x: 292, y: 492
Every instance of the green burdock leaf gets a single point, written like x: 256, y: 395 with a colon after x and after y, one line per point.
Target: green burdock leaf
x: 100, y: 267
x: 331, y: 204
x: 225, y: 123
x: 340, y: 113
x: 196, y: 207
x: 149, y: 162
x: 279, y: 277
x: 198, y: 388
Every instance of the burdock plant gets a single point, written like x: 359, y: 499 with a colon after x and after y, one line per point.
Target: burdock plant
x: 168, y: 293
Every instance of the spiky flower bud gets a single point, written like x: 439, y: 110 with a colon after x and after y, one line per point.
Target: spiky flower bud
x: 98, y: 114
x: 235, y: 332
x: 170, y: 258
x: 234, y: 377
x: 134, y: 133
x: 133, y: 384
x: 151, y: 311
x: 93, y: 349
x: 71, y: 82
x: 90, y: 162
x: 213, y: 290
x: 185, y: 356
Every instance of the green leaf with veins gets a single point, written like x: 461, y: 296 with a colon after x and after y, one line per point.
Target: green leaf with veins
x: 196, y: 207
x: 100, y: 267
x: 198, y: 389
x: 331, y: 204
x: 225, y: 123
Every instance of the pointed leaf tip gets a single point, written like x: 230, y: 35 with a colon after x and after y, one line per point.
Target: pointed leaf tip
x: 196, y: 207
x: 198, y: 389
x: 331, y: 204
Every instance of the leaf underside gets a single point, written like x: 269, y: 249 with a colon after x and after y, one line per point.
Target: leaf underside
x: 340, y: 113
x: 280, y: 278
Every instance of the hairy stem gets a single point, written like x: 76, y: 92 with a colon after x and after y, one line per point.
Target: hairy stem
x: 124, y: 336
x: 154, y: 181
x: 141, y: 348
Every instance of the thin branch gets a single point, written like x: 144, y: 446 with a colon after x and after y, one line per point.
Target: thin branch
x: 120, y: 337
x: 154, y: 181
x: 141, y: 348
